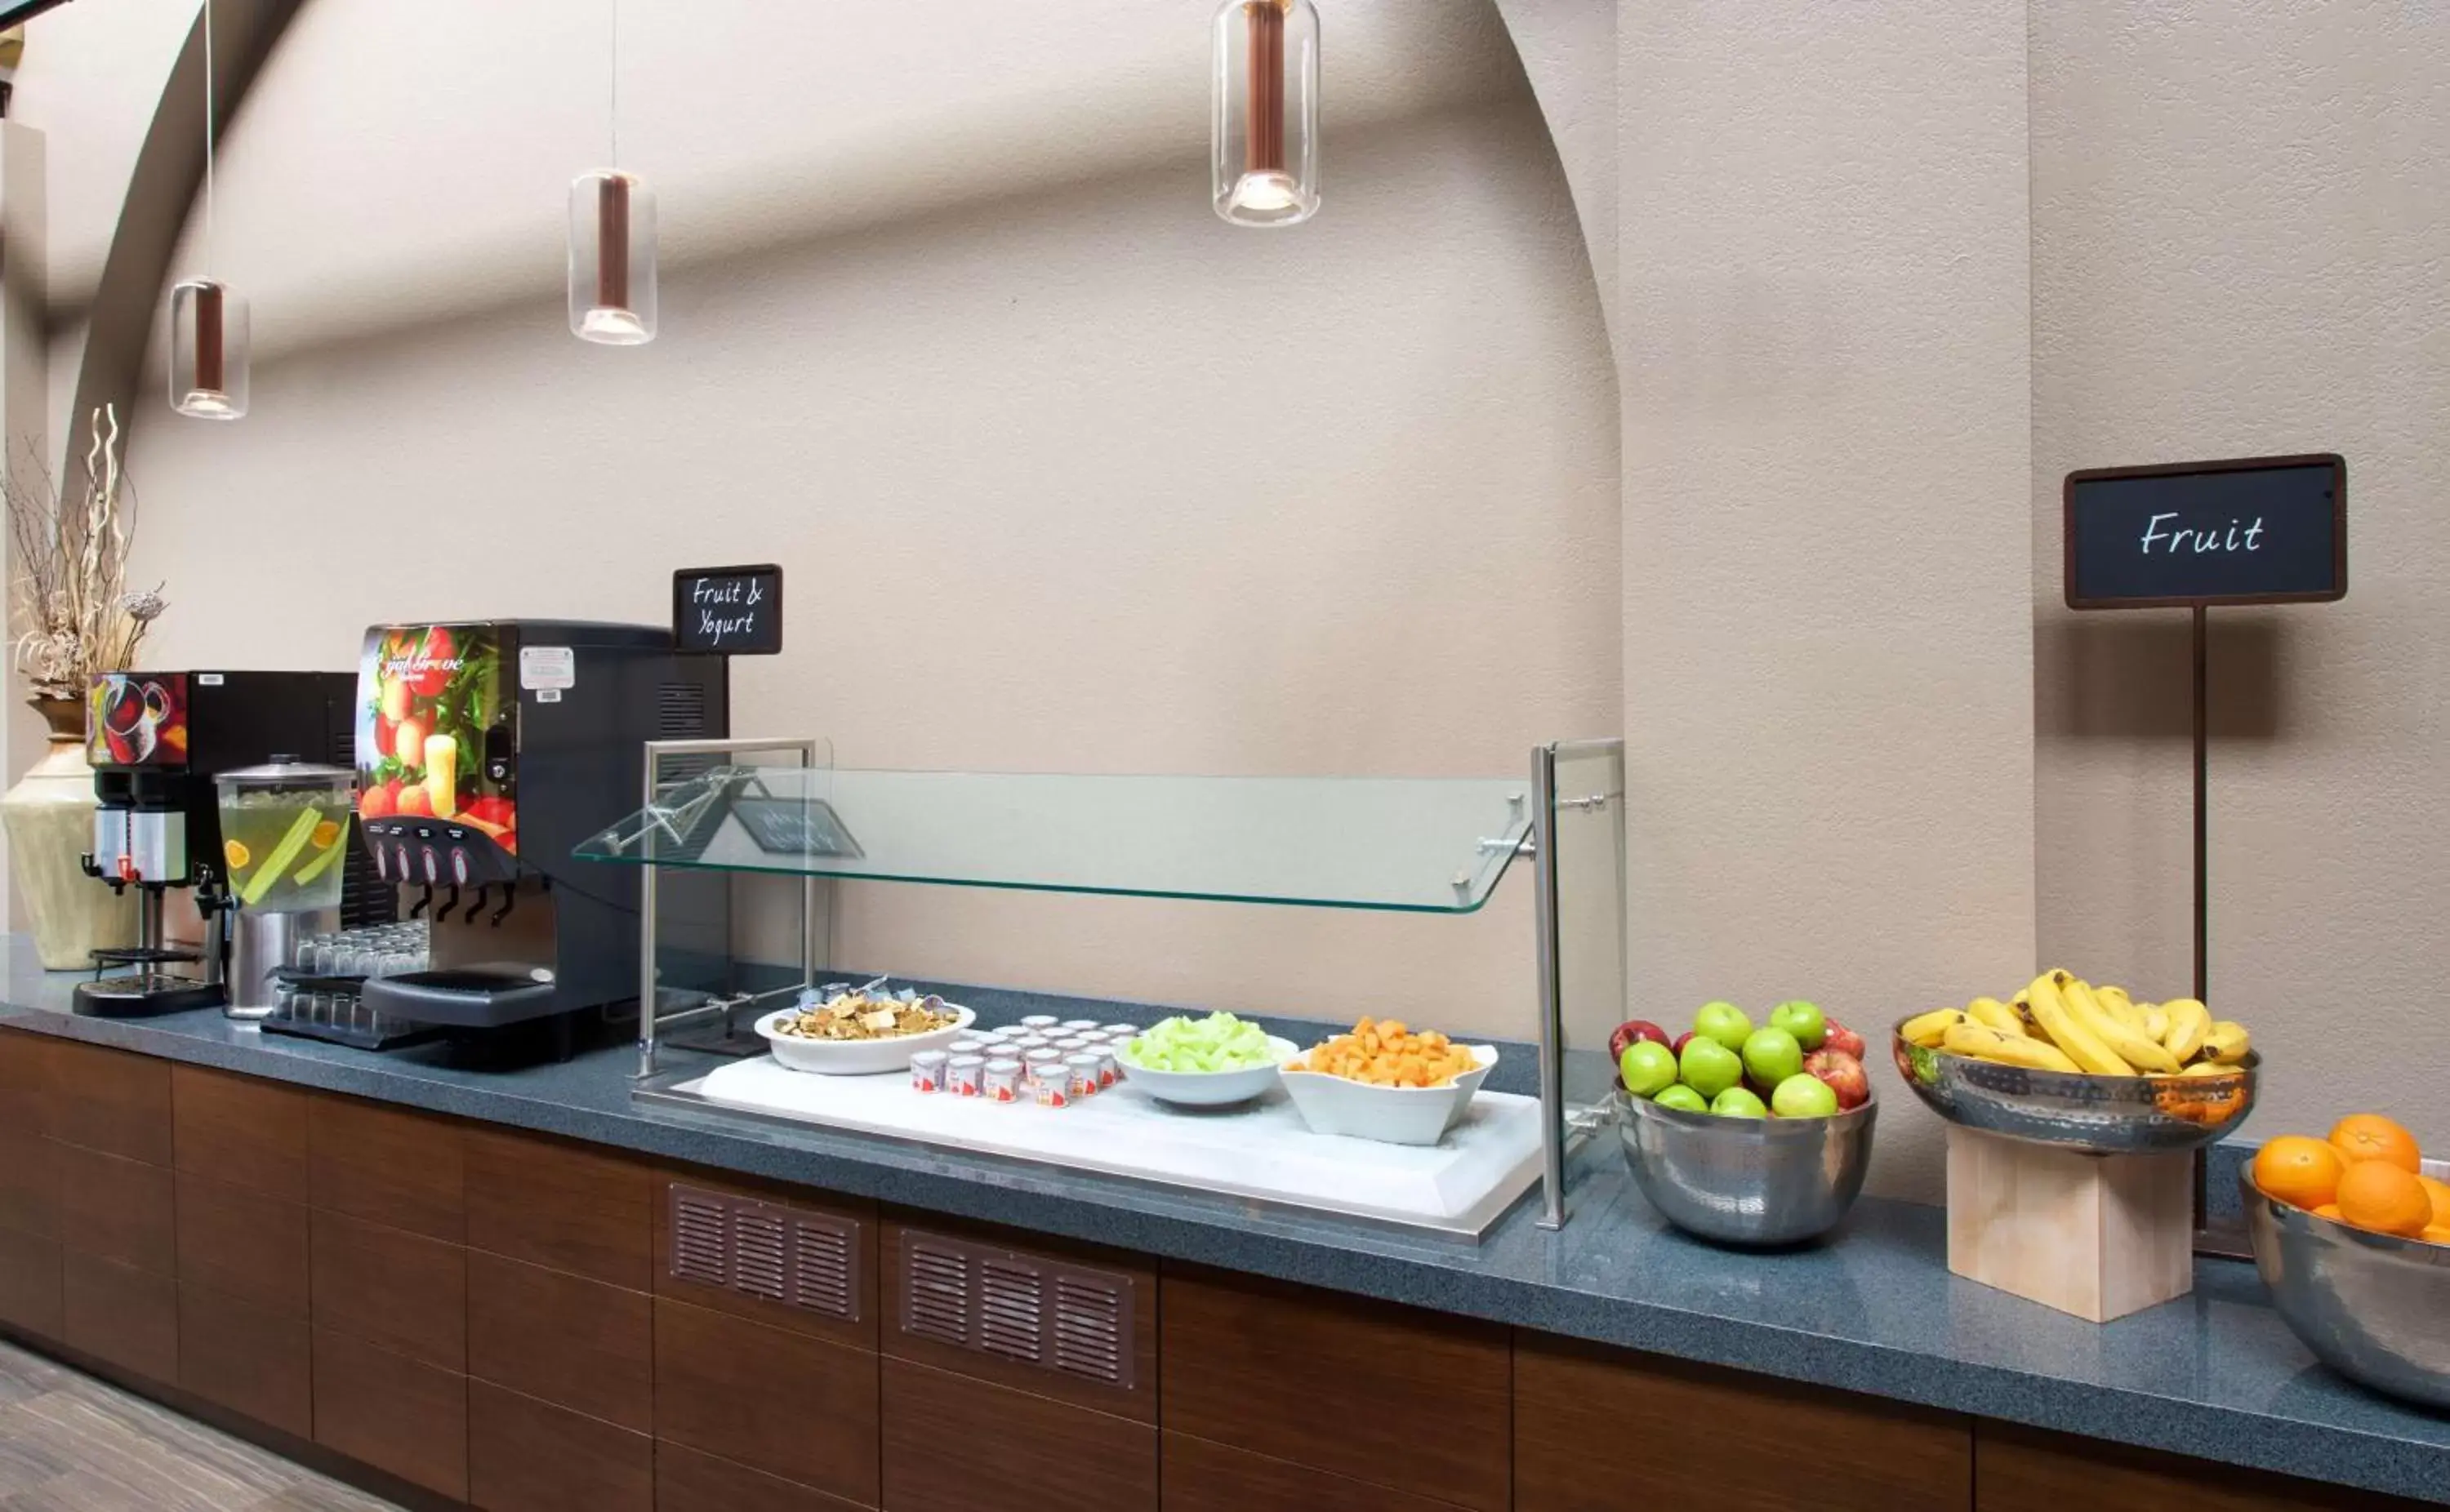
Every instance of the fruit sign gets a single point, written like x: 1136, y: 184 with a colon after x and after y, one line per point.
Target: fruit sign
x: 2265, y: 530
x: 729, y: 611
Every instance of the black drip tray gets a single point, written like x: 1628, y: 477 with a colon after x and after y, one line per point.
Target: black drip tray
x: 464, y: 997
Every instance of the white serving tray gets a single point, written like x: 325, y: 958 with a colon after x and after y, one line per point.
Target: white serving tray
x: 1259, y: 1150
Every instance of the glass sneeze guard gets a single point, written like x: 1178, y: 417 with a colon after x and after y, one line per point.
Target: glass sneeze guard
x: 1413, y: 844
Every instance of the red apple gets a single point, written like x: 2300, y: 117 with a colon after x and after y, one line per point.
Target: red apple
x: 1631, y: 1030
x: 1681, y: 1042
x: 1843, y: 1073
x: 1841, y: 1037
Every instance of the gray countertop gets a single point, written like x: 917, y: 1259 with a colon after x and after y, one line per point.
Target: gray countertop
x: 2216, y: 1374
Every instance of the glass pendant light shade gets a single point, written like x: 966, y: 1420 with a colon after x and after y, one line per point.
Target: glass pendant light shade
x: 611, y: 257
x: 1266, y: 130
x: 208, y: 351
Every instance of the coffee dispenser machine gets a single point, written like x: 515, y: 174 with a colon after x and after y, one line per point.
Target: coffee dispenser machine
x: 157, y: 740
x: 485, y: 752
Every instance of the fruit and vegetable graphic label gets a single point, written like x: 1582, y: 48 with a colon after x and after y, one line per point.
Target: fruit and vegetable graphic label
x: 426, y: 696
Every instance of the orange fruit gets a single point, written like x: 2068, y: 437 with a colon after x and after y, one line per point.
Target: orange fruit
x: 2438, y: 1233
x: 2371, y: 1137
x: 2297, y: 1170
x: 2439, y: 1191
x: 2378, y: 1195
x: 2330, y: 1211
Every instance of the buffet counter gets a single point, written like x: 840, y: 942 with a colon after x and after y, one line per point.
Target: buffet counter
x: 492, y: 1255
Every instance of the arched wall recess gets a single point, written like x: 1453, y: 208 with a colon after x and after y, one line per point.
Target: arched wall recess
x: 1566, y: 48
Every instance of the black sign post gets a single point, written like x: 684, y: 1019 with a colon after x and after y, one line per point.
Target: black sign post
x: 729, y: 611
x: 2193, y: 536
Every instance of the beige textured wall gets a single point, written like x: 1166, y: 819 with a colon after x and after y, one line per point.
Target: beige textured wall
x: 1066, y: 475
x: 2241, y: 228
x: 1828, y: 680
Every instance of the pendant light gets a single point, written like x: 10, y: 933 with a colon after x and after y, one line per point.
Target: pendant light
x: 1266, y: 129
x: 613, y: 241
x: 209, y: 336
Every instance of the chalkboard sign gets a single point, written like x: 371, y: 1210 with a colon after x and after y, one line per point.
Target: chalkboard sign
x: 2265, y: 530
x: 734, y: 610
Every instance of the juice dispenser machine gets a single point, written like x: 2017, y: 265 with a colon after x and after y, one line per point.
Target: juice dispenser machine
x: 158, y: 742
x: 485, y: 752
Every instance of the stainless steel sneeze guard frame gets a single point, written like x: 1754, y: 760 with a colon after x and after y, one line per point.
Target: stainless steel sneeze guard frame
x: 1562, y: 1127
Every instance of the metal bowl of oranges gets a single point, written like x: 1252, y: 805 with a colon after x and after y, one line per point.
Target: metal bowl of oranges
x: 2363, y: 1279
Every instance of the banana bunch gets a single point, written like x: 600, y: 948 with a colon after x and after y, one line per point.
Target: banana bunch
x: 2060, y: 1022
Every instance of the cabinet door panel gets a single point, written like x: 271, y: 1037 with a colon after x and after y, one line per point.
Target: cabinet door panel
x: 1015, y: 1449
x: 241, y: 1130
x: 2025, y: 1470
x: 563, y: 1340
x: 110, y: 1101
x: 401, y: 1291
x: 254, y: 1361
x: 1574, y: 1401
x: 118, y: 1209
x: 560, y: 1205
x: 242, y: 1243
x: 527, y: 1456
x: 126, y: 1316
x: 387, y: 1166
x: 770, y: 1399
x: 855, y: 1220
x: 25, y: 1081
x: 29, y: 1183
x: 1251, y: 1362
x: 30, y: 1283
x: 687, y: 1480
x: 1204, y: 1477
x: 395, y: 1413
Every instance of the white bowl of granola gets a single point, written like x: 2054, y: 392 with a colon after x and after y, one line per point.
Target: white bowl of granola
x: 852, y: 1034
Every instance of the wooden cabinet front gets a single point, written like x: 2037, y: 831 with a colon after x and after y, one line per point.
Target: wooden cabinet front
x: 1204, y: 1477
x: 689, y: 1481
x: 110, y: 1101
x: 955, y: 1444
x: 398, y: 1415
x: 398, y: 1291
x: 30, y: 1283
x: 1576, y: 1406
x: 2024, y: 1470
x: 388, y: 1166
x: 117, y: 1209
x: 770, y: 1399
x: 529, y: 1456
x: 560, y: 1205
x: 1417, y: 1402
x: 242, y: 1243
x: 562, y: 1339
x: 255, y: 1360
x: 241, y: 1131
x: 119, y: 1313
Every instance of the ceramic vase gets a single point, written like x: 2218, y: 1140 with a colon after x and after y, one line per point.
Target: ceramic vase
x: 49, y: 819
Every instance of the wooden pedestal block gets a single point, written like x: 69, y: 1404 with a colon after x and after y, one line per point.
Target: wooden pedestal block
x: 2100, y: 1236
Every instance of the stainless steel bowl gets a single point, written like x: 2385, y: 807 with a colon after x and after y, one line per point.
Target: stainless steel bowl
x: 2374, y: 1308
x: 1746, y: 1181
x: 2103, y: 1115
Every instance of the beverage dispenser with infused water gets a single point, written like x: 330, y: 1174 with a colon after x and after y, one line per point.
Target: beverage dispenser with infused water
x: 485, y: 751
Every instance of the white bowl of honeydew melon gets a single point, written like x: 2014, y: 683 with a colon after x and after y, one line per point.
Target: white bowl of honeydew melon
x: 1203, y: 1063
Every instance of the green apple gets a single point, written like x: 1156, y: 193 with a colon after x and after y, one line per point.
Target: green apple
x: 1772, y: 1056
x: 1804, y: 1096
x: 1682, y: 1098
x: 1709, y: 1067
x: 1723, y: 1022
x: 1646, y: 1066
x: 1738, y: 1102
x: 1802, y: 1019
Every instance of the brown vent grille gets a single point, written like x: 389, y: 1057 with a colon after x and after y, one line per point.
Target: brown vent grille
x: 802, y: 1260
x: 1034, y: 1312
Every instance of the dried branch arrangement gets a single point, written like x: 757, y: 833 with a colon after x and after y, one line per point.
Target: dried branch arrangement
x: 70, y: 612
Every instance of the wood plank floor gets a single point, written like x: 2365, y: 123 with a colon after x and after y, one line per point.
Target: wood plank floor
x: 71, y: 1444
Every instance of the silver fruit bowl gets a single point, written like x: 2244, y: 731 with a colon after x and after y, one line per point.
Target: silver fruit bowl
x: 2373, y: 1307
x: 2102, y: 1116
x: 1746, y: 1181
